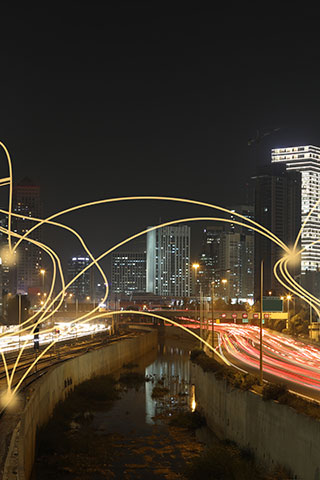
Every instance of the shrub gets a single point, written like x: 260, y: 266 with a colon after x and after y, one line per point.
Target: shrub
x: 222, y: 462
x: 189, y: 420
x: 238, y: 379
x: 273, y: 391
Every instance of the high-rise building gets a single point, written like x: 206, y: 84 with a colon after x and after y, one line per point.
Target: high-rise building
x: 227, y: 259
x: 278, y: 208
x: 128, y: 272
x: 305, y: 159
x: 83, y: 286
x: 168, y: 261
x: 27, y: 202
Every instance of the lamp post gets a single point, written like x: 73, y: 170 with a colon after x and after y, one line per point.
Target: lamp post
x: 288, y: 297
x: 212, y: 316
x: 260, y: 323
x: 19, y: 313
x: 224, y: 281
x: 42, y: 272
x: 195, y: 266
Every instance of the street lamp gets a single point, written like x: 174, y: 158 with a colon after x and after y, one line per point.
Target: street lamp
x: 288, y: 297
x: 195, y: 266
x: 212, y: 316
x: 42, y: 272
x: 224, y: 281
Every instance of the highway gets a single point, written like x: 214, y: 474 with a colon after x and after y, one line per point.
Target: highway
x: 68, y: 347
x: 285, y: 359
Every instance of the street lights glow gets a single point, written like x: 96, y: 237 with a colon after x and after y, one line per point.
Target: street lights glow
x: 42, y: 273
x: 288, y: 297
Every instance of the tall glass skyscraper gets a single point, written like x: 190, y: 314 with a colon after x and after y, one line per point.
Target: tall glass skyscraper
x: 305, y: 159
x: 168, y: 261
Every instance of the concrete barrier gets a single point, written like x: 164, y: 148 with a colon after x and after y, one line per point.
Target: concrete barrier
x: 56, y: 385
x: 276, y: 433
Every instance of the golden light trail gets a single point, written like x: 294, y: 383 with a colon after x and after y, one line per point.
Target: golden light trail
x: 95, y: 261
x: 85, y: 316
x: 45, y: 313
x: 291, y: 285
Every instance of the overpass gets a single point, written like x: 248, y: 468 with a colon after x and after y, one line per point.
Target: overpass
x: 219, y: 316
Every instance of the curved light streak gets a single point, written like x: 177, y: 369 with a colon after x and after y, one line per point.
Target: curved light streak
x: 44, y: 312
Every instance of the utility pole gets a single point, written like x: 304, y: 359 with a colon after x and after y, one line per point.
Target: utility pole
x: 261, y: 312
x: 19, y: 313
x: 212, y: 316
x: 201, y: 317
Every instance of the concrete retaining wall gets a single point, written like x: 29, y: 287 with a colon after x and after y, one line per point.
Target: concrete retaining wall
x: 55, y: 386
x: 276, y: 433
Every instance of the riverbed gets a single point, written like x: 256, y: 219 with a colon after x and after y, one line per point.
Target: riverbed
x: 131, y: 438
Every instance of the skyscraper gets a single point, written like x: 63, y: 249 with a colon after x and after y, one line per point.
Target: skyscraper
x: 227, y: 254
x: 27, y: 201
x: 83, y: 286
x: 168, y: 261
x: 305, y: 159
x: 278, y: 208
x: 128, y: 272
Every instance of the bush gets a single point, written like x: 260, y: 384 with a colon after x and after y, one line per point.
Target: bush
x: 273, y: 391
x: 195, y: 353
x: 222, y: 462
x: 238, y: 379
x: 189, y: 420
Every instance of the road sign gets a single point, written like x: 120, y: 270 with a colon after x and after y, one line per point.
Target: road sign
x: 272, y: 304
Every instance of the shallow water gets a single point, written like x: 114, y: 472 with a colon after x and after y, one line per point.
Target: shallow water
x: 132, y: 438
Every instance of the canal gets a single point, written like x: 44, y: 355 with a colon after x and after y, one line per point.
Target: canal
x: 130, y: 435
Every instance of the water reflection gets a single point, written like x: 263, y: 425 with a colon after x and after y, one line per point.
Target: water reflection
x: 172, y: 369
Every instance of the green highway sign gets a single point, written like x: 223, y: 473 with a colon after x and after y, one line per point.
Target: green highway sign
x: 272, y: 304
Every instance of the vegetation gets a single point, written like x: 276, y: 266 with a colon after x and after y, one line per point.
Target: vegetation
x: 246, y: 381
x: 274, y: 391
x: 189, y: 420
x: 226, y: 461
x: 280, y: 393
x: 54, y: 435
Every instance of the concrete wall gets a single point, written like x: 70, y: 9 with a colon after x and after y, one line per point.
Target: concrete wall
x: 55, y: 386
x: 276, y: 433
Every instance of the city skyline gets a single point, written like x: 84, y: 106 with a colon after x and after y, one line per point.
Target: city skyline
x: 176, y: 100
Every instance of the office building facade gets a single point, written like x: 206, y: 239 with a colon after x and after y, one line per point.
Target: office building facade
x: 227, y: 259
x: 168, y: 261
x: 128, y: 272
x: 83, y: 286
x: 306, y: 160
x: 278, y: 208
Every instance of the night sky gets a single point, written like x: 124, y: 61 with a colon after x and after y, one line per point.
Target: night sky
x: 98, y: 102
